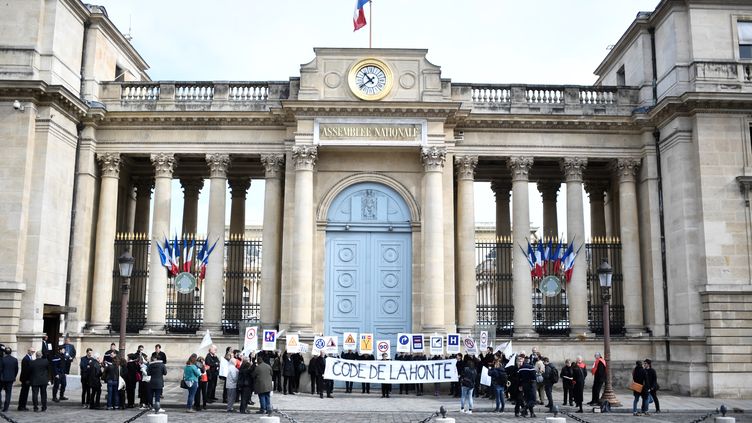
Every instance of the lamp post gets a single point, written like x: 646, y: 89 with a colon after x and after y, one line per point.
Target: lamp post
x: 125, y: 263
x: 605, y: 272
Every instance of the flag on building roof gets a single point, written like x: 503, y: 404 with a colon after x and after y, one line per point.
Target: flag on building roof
x: 359, y: 17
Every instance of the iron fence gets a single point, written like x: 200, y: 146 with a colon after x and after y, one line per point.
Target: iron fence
x: 609, y: 249
x: 242, y: 282
x: 493, y: 273
x: 138, y: 245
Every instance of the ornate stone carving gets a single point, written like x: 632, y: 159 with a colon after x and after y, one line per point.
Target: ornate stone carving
x: 110, y: 163
x: 304, y: 156
x: 501, y: 189
x: 573, y: 168
x: 218, y: 164
x: 273, y: 164
x: 433, y: 158
x: 144, y: 186
x: 596, y: 190
x: 520, y: 167
x: 191, y: 186
x: 627, y: 169
x: 163, y: 164
x: 465, y: 166
x: 368, y: 205
x: 549, y: 189
x: 239, y: 186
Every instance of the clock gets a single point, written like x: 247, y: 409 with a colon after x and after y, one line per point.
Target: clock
x: 370, y: 79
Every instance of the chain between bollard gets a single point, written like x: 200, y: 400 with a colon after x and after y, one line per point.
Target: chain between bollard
x: 140, y: 414
x: 285, y: 415
x: 575, y: 417
x: 429, y: 418
x: 7, y: 419
x: 705, y: 417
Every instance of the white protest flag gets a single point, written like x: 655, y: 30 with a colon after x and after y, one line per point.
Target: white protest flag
x: 485, y: 379
x: 207, y: 341
x: 512, y: 360
x: 223, y: 367
x: 508, y: 349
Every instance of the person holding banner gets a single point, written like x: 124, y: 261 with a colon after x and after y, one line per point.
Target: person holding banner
x: 366, y: 387
x: 386, y: 388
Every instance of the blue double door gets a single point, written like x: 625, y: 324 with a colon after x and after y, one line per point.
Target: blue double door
x: 368, y: 284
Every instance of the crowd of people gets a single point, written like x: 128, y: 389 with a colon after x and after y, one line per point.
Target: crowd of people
x: 521, y: 379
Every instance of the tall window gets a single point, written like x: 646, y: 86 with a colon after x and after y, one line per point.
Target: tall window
x: 745, y: 39
x: 621, y: 78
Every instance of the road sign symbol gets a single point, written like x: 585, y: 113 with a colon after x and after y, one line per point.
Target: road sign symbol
x: 469, y: 343
x: 250, y: 333
x: 383, y: 347
x: 320, y: 344
x: 404, y: 340
x: 269, y: 335
x: 453, y: 340
x: 436, y: 342
x: 350, y: 339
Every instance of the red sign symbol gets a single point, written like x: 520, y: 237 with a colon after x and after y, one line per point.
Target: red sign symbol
x: 251, y: 333
x: 383, y: 347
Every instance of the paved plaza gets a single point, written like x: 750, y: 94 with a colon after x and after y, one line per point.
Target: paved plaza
x: 350, y: 408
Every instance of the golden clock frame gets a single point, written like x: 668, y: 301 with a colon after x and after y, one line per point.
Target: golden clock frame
x: 370, y: 62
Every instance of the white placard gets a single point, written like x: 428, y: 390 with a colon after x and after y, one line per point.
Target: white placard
x: 453, y: 343
x: 403, y: 342
x: 470, y: 346
x: 383, y: 346
x: 319, y: 344
x: 293, y: 343
x: 485, y: 379
x: 349, y: 341
x: 331, y: 345
x: 250, y: 341
x: 417, y: 343
x: 270, y: 340
x: 437, y: 345
x: 366, y: 343
x: 483, y: 341
x: 390, y: 371
x: 304, y: 348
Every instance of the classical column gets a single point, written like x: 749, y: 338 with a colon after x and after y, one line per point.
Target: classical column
x: 104, y: 258
x: 577, y: 294
x: 596, y: 190
x: 501, y: 190
x: 191, y: 189
x: 214, y: 284
x: 156, y: 309
x: 630, y: 246
x: 130, y: 209
x: 522, y: 285
x: 608, y: 207
x: 234, y: 278
x: 239, y: 191
x: 466, y: 242
x: 433, y: 239
x: 549, y: 192
x: 272, y: 240
x: 304, y: 160
x: 144, y: 186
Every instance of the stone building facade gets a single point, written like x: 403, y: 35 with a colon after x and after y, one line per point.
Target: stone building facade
x: 369, y: 159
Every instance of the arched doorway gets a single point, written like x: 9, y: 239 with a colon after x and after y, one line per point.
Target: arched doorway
x: 368, y: 286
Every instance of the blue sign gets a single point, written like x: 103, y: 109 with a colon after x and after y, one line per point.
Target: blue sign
x: 404, y: 340
x: 418, y: 343
x: 453, y: 340
x: 320, y: 344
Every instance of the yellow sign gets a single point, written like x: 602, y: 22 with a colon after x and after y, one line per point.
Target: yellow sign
x: 366, y: 343
x: 349, y: 340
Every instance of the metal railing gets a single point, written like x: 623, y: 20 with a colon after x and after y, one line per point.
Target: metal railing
x: 138, y: 245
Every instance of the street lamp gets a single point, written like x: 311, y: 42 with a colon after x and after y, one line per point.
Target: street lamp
x: 125, y: 263
x: 605, y: 272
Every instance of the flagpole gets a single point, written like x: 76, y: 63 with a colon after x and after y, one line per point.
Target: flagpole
x: 370, y: 19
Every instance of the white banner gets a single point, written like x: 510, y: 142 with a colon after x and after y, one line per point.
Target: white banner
x: 428, y: 371
x: 437, y: 345
x: 270, y: 340
x: 293, y: 344
x: 250, y: 342
x: 349, y: 341
x: 453, y: 343
x: 403, y: 342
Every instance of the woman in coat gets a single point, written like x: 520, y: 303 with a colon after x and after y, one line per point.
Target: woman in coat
x: 288, y: 373
x: 132, y: 377
x: 111, y: 375
x: 578, y: 385
x: 639, y: 375
x: 245, y: 384
x: 203, y: 381
x: 93, y: 377
x: 566, y: 382
x: 191, y: 373
x: 156, y: 371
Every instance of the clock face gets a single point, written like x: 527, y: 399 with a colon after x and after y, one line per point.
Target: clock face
x: 370, y: 79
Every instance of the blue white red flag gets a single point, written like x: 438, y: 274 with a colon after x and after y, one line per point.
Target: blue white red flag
x: 530, y: 258
x: 359, y: 17
x: 556, y: 257
x: 188, y: 255
x: 175, y: 268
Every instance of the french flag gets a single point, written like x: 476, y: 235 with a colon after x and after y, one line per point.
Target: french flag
x: 359, y: 17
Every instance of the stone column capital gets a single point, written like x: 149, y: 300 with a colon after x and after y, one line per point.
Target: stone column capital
x: 304, y: 156
x: 465, y: 166
x: 164, y: 164
x: 239, y: 186
x: 549, y: 189
x: 596, y: 190
x: 627, y: 169
x: 110, y: 163
x: 191, y: 186
x: 433, y: 158
x: 218, y: 164
x: 144, y: 185
x: 273, y: 165
x: 501, y: 189
x: 573, y: 168
x: 520, y: 167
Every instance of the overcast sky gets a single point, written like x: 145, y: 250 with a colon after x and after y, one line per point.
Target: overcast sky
x: 497, y: 41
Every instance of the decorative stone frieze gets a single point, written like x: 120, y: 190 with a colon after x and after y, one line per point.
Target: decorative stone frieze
x: 465, y: 166
x: 110, y: 163
x: 433, y: 158
x: 573, y: 168
x: 163, y: 164
x: 218, y: 164
x: 627, y: 169
x: 273, y: 165
x: 304, y: 157
x: 239, y: 186
x: 520, y: 167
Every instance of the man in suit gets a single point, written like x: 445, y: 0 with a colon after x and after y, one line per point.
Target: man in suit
x: 25, y: 378
x: 39, y: 379
x: 46, y: 348
x: 8, y: 376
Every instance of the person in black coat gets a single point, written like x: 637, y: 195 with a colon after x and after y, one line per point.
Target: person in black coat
x: 312, y: 368
x: 83, y: 366
x: 639, y: 375
x: 386, y: 388
x: 652, y: 383
x: 39, y: 375
x: 526, y: 376
x: 349, y: 355
x: 288, y: 373
x: 58, y: 370
x: 578, y: 385
x: 9, y: 366
x: 365, y: 387
x: 93, y: 376
x: 156, y: 371
x: 212, y: 373
x: 566, y: 382
x: 159, y: 354
x: 297, y: 360
x: 25, y: 379
x: 245, y: 384
x: 599, y: 378
x: 319, y: 372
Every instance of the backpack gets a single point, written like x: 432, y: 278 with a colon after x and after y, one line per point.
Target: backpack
x: 554, y: 375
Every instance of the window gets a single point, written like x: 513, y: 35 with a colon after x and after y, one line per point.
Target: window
x: 621, y: 79
x: 745, y: 39
x: 119, y: 74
